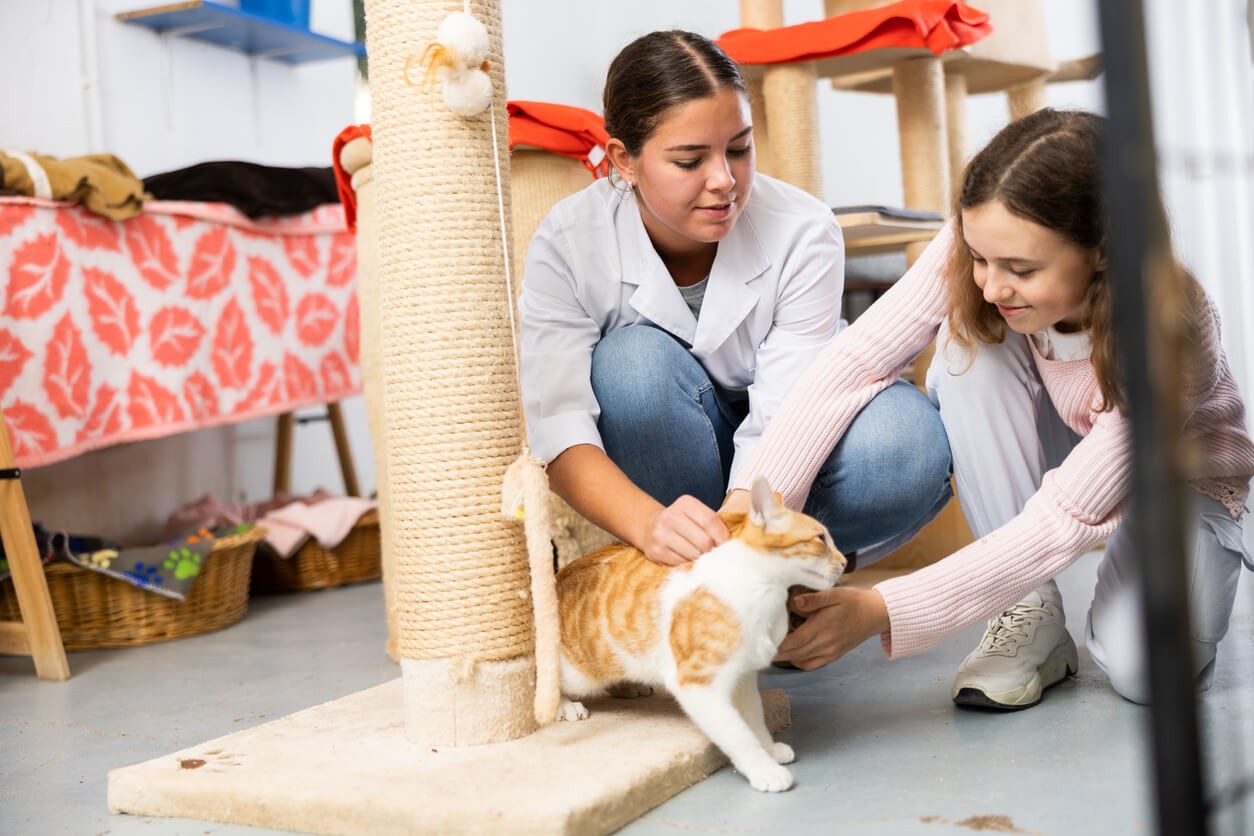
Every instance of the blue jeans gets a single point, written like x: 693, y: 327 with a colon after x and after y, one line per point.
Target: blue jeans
x: 670, y: 428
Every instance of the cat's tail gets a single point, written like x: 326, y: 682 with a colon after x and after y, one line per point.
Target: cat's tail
x: 526, y: 496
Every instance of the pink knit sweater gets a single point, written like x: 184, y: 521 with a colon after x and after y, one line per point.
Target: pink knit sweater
x: 1079, y: 504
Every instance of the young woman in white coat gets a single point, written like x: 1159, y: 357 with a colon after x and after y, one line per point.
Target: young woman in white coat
x: 667, y: 309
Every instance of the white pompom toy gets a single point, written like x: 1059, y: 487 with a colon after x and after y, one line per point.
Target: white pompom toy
x: 459, y: 55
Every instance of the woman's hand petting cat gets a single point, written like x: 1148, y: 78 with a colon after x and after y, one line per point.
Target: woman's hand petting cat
x: 837, y: 621
x: 682, y: 532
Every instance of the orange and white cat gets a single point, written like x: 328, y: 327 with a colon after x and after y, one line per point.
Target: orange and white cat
x: 702, y: 630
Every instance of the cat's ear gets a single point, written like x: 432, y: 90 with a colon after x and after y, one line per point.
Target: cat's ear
x: 766, y: 511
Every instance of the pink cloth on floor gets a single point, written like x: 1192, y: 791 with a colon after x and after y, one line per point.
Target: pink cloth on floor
x: 211, y: 512
x: 328, y: 521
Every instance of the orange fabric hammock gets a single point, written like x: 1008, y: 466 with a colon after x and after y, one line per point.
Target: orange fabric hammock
x: 936, y: 25
x: 562, y: 129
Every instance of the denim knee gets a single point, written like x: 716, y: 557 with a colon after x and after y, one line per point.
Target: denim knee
x: 660, y: 419
x: 636, y: 365
x: 890, y: 471
x: 901, y: 446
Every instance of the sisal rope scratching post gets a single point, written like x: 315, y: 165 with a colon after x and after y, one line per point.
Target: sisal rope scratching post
x: 1026, y: 98
x: 956, y: 125
x: 785, y: 101
x: 792, y: 111
x: 919, y: 86
x: 464, y: 626
x: 760, y: 14
x: 539, y: 179
x: 356, y: 158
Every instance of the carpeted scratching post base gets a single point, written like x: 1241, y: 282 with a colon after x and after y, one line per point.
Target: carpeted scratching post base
x: 490, y: 704
x: 347, y: 767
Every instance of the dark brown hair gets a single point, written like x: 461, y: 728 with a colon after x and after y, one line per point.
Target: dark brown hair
x: 654, y: 73
x: 1046, y: 168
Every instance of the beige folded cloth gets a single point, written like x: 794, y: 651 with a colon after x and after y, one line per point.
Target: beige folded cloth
x: 102, y: 183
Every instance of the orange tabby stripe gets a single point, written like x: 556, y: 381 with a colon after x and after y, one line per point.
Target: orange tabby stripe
x: 704, y: 634
x: 579, y: 610
x: 630, y: 603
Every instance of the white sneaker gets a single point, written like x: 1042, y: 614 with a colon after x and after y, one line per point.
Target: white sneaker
x: 1025, y: 650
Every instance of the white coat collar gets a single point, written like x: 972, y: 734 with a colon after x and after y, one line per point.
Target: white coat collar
x: 728, y: 298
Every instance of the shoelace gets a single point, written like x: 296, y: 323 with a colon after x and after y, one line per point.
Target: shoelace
x: 1007, y: 631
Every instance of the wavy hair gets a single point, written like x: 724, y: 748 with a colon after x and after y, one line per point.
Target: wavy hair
x: 1046, y: 168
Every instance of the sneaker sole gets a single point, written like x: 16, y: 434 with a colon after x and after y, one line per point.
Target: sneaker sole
x: 1062, y: 662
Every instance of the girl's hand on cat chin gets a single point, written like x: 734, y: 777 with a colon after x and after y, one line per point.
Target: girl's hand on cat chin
x: 837, y: 621
x: 683, y: 531
x: 736, y: 502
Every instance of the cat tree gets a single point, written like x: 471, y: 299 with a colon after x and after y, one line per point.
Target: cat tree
x: 401, y: 757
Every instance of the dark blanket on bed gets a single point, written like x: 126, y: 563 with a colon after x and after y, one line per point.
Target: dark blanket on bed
x: 256, y: 190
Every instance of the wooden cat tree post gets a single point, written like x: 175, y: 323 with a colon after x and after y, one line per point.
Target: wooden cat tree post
x: 464, y: 631
x: 788, y: 108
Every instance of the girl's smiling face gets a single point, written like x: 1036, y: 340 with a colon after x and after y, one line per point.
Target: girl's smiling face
x: 693, y: 175
x: 1036, y: 278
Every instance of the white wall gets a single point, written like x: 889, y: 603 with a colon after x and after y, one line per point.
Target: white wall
x: 167, y: 102
x: 78, y: 81
x: 859, y: 130
x: 1204, y: 128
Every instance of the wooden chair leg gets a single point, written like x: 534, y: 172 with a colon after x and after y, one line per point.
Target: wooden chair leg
x: 336, y: 416
x: 37, y: 635
x: 283, y: 453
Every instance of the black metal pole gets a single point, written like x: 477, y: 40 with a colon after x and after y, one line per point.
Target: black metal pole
x: 1139, y: 260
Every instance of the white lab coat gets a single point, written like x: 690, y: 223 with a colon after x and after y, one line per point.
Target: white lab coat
x: 771, y: 303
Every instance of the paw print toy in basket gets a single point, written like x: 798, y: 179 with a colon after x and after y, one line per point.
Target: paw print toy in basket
x: 108, y: 596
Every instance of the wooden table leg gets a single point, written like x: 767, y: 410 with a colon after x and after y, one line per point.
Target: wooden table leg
x: 38, y: 634
x: 336, y: 416
x: 283, y: 454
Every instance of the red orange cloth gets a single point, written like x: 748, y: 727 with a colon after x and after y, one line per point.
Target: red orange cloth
x: 562, y: 129
x: 936, y: 25
x: 344, y: 180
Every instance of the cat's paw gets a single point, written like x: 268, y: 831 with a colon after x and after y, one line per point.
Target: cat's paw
x: 571, y: 711
x: 782, y: 752
x: 771, y: 777
x: 628, y: 690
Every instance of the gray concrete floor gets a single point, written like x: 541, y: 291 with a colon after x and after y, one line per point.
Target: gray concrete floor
x: 881, y: 750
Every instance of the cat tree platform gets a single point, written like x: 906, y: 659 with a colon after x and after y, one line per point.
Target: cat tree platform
x: 346, y: 767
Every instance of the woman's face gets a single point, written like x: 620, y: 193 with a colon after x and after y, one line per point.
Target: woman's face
x: 1036, y: 278
x: 694, y: 173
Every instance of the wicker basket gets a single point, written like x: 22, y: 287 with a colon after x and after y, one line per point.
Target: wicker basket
x: 354, y: 560
x: 95, y: 610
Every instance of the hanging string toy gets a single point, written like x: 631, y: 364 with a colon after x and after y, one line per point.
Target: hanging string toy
x: 458, y: 57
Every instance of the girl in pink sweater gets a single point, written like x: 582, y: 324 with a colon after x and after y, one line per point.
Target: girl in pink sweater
x: 1025, y: 377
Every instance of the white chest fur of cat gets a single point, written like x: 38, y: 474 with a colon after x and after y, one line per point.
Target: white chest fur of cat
x: 702, y: 631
